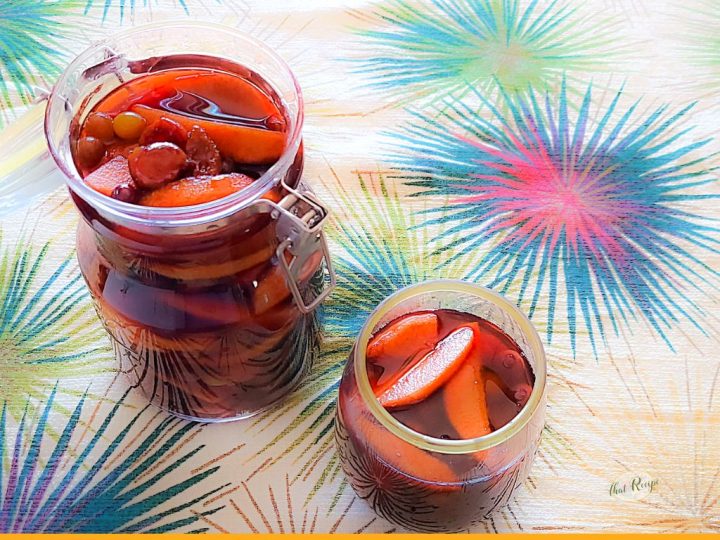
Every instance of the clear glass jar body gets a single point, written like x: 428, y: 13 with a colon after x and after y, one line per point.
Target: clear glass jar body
x: 420, y: 482
x: 198, y: 300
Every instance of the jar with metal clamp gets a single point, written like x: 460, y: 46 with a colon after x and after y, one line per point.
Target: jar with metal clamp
x: 212, y: 309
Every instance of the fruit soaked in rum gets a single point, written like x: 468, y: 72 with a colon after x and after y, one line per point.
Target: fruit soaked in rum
x: 180, y: 137
x: 202, y: 317
x: 451, y: 376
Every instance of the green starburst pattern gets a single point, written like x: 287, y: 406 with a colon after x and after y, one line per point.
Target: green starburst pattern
x: 701, y: 41
x: 442, y: 47
x: 48, y: 328
x: 127, y: 7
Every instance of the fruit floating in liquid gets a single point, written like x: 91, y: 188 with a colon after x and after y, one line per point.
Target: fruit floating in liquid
x: 448, y: 374
x: 452, y: 376
x: 204, y: 322
x: 195, y: 134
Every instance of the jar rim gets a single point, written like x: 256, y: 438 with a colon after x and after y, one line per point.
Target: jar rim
x: 187, y: 215
x: 434, y: 444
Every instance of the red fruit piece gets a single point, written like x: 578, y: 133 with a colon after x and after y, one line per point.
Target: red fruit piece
x: 404, y: 337
x: 241, y: 143
x: 125, y: 192
x: 154, y: 165
x: 465, y: 402
x: 202, y: 153
x: 431, y: 372
x: 196, y: 190
x: 164, y: 129
x: 107, y: 177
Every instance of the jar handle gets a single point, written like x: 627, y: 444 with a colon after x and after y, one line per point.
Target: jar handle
x: 27, y: 170
x: 300, y: 220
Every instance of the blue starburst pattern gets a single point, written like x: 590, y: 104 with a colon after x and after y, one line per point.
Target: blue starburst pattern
x: 593, y: 211
x: 72, y: 491
x: 30, y: 32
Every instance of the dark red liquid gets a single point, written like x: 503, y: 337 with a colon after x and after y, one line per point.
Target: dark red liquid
x: 433, y: 491
x: 507, y: 378
x: 201, y: 317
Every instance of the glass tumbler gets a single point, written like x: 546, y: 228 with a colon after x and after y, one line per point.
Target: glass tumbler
x: 376, y: 450
x: 213, y: 309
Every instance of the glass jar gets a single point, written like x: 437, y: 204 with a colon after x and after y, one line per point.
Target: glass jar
x: 213, y: 308
x: 425, y: 483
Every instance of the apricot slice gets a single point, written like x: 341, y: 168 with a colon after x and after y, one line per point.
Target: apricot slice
x: 220, y: 309
x: 273, y: 289
x: 405, y: 336
x: 241, y: 143
x: 107, y: 177
x: 197, y: 271
x: 196, y: 190
x: 465, y: 405
x: 431, y: 372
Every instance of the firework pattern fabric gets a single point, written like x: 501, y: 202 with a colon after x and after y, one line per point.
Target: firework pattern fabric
x: 563, y: 153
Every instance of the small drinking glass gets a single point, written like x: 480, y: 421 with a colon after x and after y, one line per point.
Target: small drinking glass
x: 376, y: 450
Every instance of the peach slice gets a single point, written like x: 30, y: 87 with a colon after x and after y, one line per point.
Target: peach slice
x: 431, y: 372
x: 273, y: 289
x: 196, y: 190
x: 464, y: 397
x: 403, y: 456
x: 191, y: 271
x: 233, y: 95
x: 404, y: 337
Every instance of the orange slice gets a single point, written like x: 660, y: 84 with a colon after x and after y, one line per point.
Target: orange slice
x: 431, y: 372
x: 241, y: 143
x: 404, y: 337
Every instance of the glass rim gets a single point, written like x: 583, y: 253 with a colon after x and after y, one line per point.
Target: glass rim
x: 434, y: 444
x: 186, y: 215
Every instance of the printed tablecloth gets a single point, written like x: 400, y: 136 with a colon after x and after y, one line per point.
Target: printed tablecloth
x: 563, y: 153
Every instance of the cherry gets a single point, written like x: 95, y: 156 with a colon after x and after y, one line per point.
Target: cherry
x: 126, y: 193
x: 275, y: 123
x: 521, y: 393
